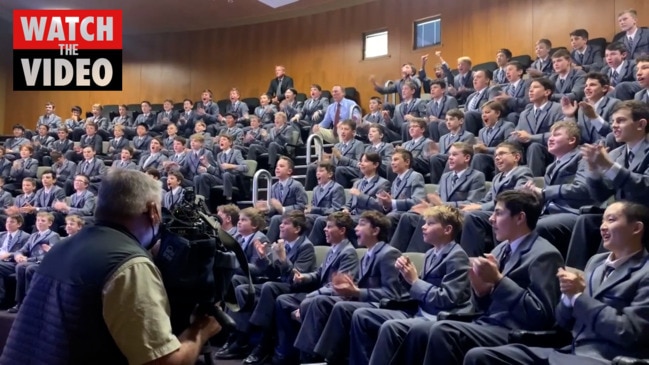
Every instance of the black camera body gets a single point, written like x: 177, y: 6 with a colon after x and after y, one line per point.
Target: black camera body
x: 196, y: 266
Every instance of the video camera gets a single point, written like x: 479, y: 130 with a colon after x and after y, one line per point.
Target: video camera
x: 197, y: 260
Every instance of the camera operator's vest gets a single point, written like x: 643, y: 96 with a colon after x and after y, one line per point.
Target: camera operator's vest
x: 61, y: 321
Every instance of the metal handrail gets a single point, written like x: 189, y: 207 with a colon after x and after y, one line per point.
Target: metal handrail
x: 394, y: 95
x: 309, y: 143
x: 255, y: 184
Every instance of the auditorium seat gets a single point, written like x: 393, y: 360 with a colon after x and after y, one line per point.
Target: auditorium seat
x: 40, y: 170
x: 320, y: 254
x: 360, y: 252
x: 487, y: 185
x: 179, y: 107
x: 156, y: 108
x: 539, y: 182
x: 552, y: 50
x: 491, y: 66
x: 524, y: 60
x: 222, y: 105
x: 301, y: 97
x: 417, y: 259
x: 252, y: 103
x: 327, y: 94
x: 348, y: 195
x: 431, y: 188
x: 309, y: 197
x: 598, y: 42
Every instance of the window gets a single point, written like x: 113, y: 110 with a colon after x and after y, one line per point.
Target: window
x: 375, y: 45
x: 428, y: 32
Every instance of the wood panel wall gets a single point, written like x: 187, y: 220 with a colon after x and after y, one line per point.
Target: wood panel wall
x: 325, y: 48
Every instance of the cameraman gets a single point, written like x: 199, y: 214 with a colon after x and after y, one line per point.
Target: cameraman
x: 97, y: 298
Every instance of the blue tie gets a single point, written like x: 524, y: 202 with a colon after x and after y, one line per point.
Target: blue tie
x: 281, y: 192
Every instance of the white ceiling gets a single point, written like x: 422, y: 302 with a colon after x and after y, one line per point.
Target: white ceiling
x: 163, y: 16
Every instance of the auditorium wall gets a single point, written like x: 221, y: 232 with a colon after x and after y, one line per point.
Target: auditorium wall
x: 324, y: 48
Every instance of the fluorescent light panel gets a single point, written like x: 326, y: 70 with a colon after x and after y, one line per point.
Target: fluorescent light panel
x: 277, y: 3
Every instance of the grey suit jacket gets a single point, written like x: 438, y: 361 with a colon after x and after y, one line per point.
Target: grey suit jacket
x: 591, y: 60
x: 32, y: 247
x: 539, y: 128
x: 469, y: 188
x: 44, y: 143
x: 26, y: 168
x: 310, y: 106
x: 628, y: 183
x: 117, y: 146
x: 100, y: 121
x: 543, y: 66
x: 169, y: 200
x: 130, y: 165
x: 499, y: 133
x: 520, y: 98
x: 565, y: 188
x: 609, y: 318
x: 384, y: 149
x: 6, y: 200
x: 94, y: 171
x: 92, y: 141
x: 52, y: 121
x: 458, y: 81
x: 294, y: 197
x: 178, y: 159
x: 350, y: 154
x: 409, y: 191
x: 251, y: 253
x: 447, y: 140
x: 378, y: 278
x: 239, y: 108
x: 172, y: 116
x: 593, y: 131
x: 23, y: 200
x: 192, y: 162
x: 82, y: 204
x: 416, y: 108
x: 627, y: 73
x: 516, y: 178
x: 420, y: 148
x: 44, y: 201
x: 5, y: 167
x: 287, y: 136
x: 642, y: 95
x: 396, y: 86
x: 64, y: 171
x: 141, y: 144
x: 126, y: 121
x: 20, y: 237
x: 291, y: 109
x: 443, y: 284
x: 327, y: 199
x: 640, y: 43
x: 367, y: 199
x: 211, y: 112
x: 154, y: 162
x: 527, y: 294
x: 266, y: 114
x: 572, y: 86
x: 301, y: 258
x: 234, y: 157
x: 483, y: 97
x: 439, y: 109
x: 236, y: 133
x: 342, y: 259
x: 62, y: 146
x: 14, y: 144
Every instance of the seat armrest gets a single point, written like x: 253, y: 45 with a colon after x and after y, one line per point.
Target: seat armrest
x: 549, y: 339
x: 624, y: 360
x: 591, y: 209
x: 460, y: 317
x: 408, y: 305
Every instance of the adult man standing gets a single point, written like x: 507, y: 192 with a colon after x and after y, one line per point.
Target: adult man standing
x: 107, y: 303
